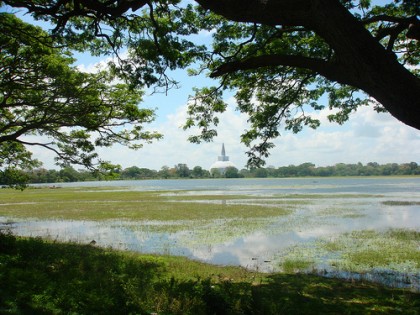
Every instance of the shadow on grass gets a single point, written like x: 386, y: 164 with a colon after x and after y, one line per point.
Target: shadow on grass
x: 38, y: 277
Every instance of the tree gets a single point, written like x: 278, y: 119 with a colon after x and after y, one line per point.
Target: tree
x: 182, y: 170
x: 280, y: 56
x: 39, y: 175
x: 69, y: 174
x: 216, y: 173
x: 165, y: 172
x: 131, y: 172
x: 232, y: 172
x: 147, y: 173
x: 199, y: 172
x: 305, y: 169
x: 41, y: 93
x: 259, y: 172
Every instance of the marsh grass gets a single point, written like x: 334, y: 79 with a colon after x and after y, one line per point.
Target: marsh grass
x: 400, y: 203
x: 199, y: 233
x: 391, y: 257
x: 296, y: 265
x: 343, y: 212
x: 101, y: 204
x: 222, y: 231
x: 392, y: 250
x: 326, y: 196
x: 362, y: 251
x: 40, y: 277
x: 78, y: 204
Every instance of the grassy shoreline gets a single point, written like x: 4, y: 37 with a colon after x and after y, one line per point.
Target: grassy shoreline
x: 40, y: 277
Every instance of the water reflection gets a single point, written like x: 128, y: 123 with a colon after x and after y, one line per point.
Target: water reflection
x: 277, y: 234
x: 256, y: 245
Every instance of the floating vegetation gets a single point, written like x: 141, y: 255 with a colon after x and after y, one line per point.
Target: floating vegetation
x: 222, y: 231
x: 343, y: 212
x: 327, y: 196
x: 360, y: 251
x: 400, y: 203
x: 73, y: 204
x: 296, y: 265
x: 392, y: 255
x: 396, y: 250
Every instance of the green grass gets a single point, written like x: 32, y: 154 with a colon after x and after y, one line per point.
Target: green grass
x: 394, y: 247
x: 119, y: 203
x: 391, y: 255
x: 93, y: 204
x: 400, y: 203
x: 360, y: 251
x: 122, y: 204
x: 326, y: 196
x: 296, y: 265
x: 40, y: 277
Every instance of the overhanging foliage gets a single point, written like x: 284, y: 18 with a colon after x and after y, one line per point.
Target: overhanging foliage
x: 279, y: 56
x: 42, y: 94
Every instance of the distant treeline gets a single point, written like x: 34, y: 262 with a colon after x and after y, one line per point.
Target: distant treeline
x: 69, y: 174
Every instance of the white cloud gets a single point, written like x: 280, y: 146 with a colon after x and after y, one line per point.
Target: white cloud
x: 175, y: 148
x: 96, y: 64
x: 367, y: 136
x: 207, y: 33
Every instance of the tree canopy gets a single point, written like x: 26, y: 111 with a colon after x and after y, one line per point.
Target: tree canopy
x: 281, y: 57
x: 69, y: 174
x: 43, y: 94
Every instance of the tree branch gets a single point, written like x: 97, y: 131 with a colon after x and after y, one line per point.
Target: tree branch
x: 319, y: 66
x: 289, y: 12
x: 392, y: 19
x: 414, y: 31
x: 96, y: 9
x: 411, y: 24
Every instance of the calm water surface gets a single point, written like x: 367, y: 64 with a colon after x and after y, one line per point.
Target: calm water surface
x: 262, y: 243
x: 382, y: 185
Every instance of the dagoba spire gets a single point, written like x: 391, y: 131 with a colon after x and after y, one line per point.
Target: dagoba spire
x: 223, y: 157
x: 222, y: 162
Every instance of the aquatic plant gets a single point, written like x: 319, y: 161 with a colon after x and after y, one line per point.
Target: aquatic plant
x: 400, y: 203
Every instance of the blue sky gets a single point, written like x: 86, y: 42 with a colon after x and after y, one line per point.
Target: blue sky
x: 366, y: 137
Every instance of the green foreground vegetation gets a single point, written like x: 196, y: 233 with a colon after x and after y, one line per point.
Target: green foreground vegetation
x: 39, y: 277
x: 47, y: 277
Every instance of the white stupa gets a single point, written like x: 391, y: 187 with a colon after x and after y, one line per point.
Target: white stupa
x: 222, y: 162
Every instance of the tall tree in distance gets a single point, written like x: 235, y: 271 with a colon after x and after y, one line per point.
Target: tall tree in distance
x: 281, y: 57
x: 42, y: 94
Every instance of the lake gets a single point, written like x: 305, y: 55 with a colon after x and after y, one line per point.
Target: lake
x: 326, y: 213
x: 408, y: 186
